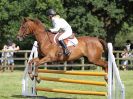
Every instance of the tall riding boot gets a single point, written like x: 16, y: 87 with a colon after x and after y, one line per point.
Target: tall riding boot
x: 66, y: 51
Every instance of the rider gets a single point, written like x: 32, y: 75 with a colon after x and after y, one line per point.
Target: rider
x: 59, y: 24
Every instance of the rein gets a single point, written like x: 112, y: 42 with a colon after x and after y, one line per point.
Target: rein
x: 48, y: 37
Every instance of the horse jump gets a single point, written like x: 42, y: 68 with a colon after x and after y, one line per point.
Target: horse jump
x: 87, y: 82
x: 31, y: 91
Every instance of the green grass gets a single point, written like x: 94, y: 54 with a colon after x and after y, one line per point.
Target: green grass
x: 10, y: 86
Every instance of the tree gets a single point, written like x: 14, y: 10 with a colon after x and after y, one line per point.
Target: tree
x: 12, y: 12
x: 109, y: 19
x: 99, y: 17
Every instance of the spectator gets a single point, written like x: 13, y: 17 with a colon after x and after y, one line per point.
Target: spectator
x: 8, y: 53
x: 3, y: 56
x: 15, y: 48
x: 125, y: 54
x: 129, y: 45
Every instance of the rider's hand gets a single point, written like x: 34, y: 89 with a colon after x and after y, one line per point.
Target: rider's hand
x: 48, y: 30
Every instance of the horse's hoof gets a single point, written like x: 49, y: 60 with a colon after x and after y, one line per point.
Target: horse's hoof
x: 31, y: 76
x: 106, y: 79
x: 38, y: 80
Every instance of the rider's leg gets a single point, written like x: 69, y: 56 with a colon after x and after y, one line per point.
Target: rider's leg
x: 66, y: 51
x: 66, y: 34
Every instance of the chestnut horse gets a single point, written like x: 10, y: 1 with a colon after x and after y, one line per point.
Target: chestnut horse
x: 90, y: 47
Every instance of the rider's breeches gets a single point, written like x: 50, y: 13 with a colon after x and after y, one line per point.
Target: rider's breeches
x: 66, y: 34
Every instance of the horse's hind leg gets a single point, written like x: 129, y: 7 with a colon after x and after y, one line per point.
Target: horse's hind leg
x: 102, y: 63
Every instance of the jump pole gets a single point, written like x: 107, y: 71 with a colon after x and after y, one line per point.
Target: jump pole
x: 72, y: 72
x: 72, y: 91
x: 73, y: 81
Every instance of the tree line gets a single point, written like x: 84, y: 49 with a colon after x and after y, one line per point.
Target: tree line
x: 108, y: 19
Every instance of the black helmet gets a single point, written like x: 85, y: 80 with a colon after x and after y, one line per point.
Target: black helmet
x: 9, y: 42
x: 50, y: 12
x: 128, y: 41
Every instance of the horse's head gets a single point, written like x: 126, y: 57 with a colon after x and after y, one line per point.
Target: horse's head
x: 26, y: 28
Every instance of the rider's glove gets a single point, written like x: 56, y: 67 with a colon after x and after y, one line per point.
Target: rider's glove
x: 48, y: 30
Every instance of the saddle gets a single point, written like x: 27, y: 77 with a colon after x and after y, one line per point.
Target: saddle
x: 70, y: 42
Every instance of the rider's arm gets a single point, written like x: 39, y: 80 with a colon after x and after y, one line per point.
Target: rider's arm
x: 56, y: 26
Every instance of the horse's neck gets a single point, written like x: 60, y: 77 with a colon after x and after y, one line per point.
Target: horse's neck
x: 44, y: 38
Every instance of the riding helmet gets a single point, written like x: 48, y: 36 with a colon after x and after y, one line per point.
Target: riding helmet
x: 50, y: 12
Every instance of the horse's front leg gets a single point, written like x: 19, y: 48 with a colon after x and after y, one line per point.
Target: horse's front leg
x: 30, y: 63
x: 38, y: 63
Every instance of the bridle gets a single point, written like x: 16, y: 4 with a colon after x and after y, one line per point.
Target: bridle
x: 25, y: 28
x: 48, y: 37
x: 30, y: 30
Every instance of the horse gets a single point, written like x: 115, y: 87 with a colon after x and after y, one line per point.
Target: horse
x: 90, y: 47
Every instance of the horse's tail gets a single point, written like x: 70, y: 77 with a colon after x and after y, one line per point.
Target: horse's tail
x: 105, y: 48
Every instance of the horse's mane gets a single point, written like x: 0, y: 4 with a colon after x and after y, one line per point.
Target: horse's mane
x: 36, y: 21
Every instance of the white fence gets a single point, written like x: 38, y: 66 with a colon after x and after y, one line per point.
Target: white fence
x: 28, y: 86
x: 116, y: 89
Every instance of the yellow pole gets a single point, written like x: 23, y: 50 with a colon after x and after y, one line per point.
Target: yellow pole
x: 74, y: 81
x: 72, y: 91
x: 73, y: 72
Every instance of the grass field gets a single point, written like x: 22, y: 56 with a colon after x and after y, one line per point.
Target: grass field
x: 10, y: 86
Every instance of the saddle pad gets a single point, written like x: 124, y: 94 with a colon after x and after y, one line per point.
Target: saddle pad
x: 69, y: 42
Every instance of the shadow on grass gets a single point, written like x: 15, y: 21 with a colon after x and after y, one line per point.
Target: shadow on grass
x: 36, y: 97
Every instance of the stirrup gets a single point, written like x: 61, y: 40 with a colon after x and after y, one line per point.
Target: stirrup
x: 67, y: 52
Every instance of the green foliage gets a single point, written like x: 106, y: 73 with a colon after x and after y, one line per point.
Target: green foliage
x: 109, y: 19
x: 125, y: 34
x: 104, y: 18
x: 12, y: 12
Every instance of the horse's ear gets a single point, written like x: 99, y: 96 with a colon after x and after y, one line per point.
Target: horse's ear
x: 25, y: 19
x: 37, y: 21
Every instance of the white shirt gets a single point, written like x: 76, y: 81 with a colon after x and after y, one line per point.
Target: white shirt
x: 10, y: 54
x: 59, y: 23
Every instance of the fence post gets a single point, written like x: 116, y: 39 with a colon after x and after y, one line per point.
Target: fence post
x: 82, y: 63
x: 65, y: 65
x: 117, y: 58
x: 45, y: 66
x: 26, y: 57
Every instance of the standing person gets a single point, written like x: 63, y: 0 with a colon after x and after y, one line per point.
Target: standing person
x: 129, y: 45
x: 15, y: 48
x: 59, y: 24
x: 10, y: 54
x: 125, y: 54
x: 10, y: 61
x: 3, y: 57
